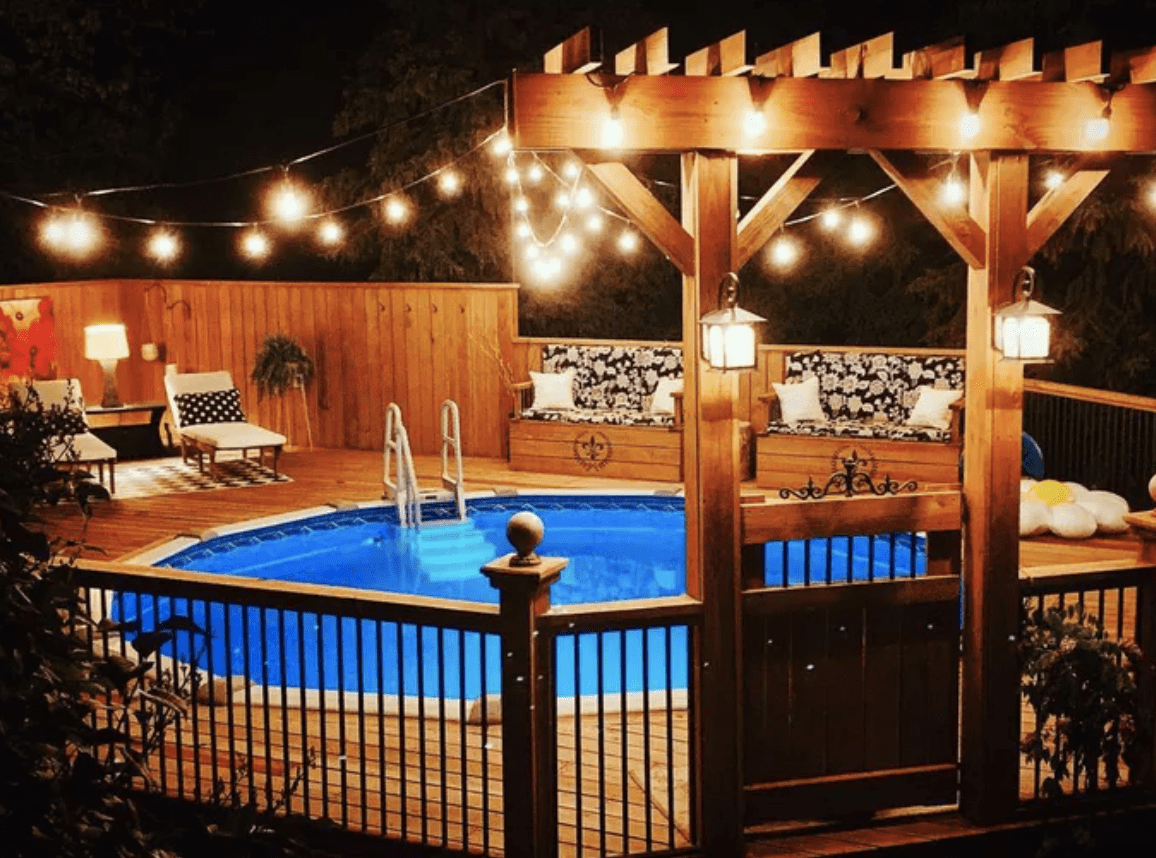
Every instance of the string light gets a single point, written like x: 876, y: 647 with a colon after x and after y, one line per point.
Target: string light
x: 521, y: 205
x: 594, y: 222
x: 860, y: 231
x: 784, y: 251
x: 532, y: 251
x: 953, y: 192
x: 449, y: 183
x: 583, y: 198
x: 534, y: 174
x: 288, y: 203
x: 396, y: 210
x: 512, y: 175
x: 163, y: 246
x: 501, y: 144
x: 612, y: 131
x: 830, y: 219
x: 1096, y: 129
x: 75, y: 234
x: 568, y: 242
x: 1053, y: 179
x: 254, y: 244
x: 562, y: 200
x: 628, y: 241
x: 330, y: 232
x: 523, y: 230
x: 969, y: 125
x: 572, y: 170
x: 754, y: 123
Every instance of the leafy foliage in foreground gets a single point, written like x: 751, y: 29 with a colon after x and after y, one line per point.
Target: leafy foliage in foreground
x: 1082, y: 686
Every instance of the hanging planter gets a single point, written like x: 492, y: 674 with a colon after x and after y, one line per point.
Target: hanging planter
x: 281, y: 365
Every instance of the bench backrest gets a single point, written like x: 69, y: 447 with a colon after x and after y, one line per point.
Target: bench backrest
x: 871, y: 386
x: 618, y: 377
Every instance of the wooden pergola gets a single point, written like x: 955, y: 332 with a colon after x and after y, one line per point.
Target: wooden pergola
x: 860, y: 102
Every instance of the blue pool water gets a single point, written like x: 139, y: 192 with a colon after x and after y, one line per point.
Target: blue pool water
x: 619, y: 547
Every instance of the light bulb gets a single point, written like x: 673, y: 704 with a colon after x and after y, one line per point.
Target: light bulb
x: 568, y: 242
x: 512, y: 175
x: 830, y: 218
x: 784, y: 251
x: 628, y: 241
x: 523, y: 230
x: 54, y: 231
x: 594, y: 222
x: 396, y: 210
x: 612, y: 131
x: 288, y: 203
x: 330, y: 232
x: 163, y: 246
x: 969, y: 125
x: 532, y: 251
x: 1096, y: 130
x: 583, y: 197
x: 449, y: 183
x: 255, y: 245
x: 571, y: 170
x: 521, y: 205
x: 754, y: 123
x: 534, y: 174
x: 859, y: 230
x: 80, y: 237
x: 547, y: 267
x: 501, y: 144
x: 562, y: 200
x: 953, y: 192
x: 1053, y: 179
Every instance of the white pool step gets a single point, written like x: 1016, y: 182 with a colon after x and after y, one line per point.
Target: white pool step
x: 452, y: 551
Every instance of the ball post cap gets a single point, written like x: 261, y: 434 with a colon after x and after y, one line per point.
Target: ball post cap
x: 525, y: 530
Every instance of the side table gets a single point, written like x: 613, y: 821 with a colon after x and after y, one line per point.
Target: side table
x: 133, y: 430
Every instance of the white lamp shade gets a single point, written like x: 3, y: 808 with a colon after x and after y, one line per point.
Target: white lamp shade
x: 1023, y: 331
x: 105, y: 342
x: 730, y: 346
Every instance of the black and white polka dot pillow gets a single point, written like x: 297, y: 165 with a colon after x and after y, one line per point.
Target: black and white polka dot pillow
x: 214, y: 406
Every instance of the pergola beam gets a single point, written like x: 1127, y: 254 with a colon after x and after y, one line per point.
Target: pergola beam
x: 681, y: 113
x: 1057, y: 204
x: 800, y: 58
x: 727, y: 57
x: 958, y: 228
x: 646, y: 212
x: 871, y: 59
x: 776, y: 205
x: 646, y: 56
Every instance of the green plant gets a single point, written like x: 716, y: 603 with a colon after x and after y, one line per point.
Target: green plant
x: 1081, y: 685
x: 281, y: 364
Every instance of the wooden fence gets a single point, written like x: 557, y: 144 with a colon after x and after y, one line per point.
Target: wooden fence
x: 374, y: 343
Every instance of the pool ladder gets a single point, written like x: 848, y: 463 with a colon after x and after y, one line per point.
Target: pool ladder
x: 402, y: 488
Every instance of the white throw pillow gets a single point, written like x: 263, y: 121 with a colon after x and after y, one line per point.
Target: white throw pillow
x: 663, y: 400
x: 553, y: 391
x: 800, y: 401
x: 933, y: 408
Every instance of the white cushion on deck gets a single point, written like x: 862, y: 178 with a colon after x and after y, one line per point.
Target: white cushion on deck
x: 233, y: 436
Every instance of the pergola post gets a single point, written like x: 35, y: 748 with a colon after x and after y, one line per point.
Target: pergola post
x: 989, y: 783
x: 711, y: 482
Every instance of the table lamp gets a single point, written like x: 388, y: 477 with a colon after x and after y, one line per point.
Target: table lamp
x: 107, y: 344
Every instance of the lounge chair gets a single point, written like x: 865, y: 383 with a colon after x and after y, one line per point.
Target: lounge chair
x: 207, y: 414
x: 79, y: 446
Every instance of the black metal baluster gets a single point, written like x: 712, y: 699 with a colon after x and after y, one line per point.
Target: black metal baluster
x: 463, y: 754
x: 342, y: 747
x: 322, y: 711
x: 383, y: 771
x: 402, y: 751
x: 827, y: 542
x: 361, y: 747
x: 646, y: 734
x: 443, y: 753
x: 263, y: 629
x: 600, y: 639
x: 282, y: 671
x: 670, y: 726
x: 246, y: 639
x: 166, y: 714
x: 485, y: 747
x: 194, y: 704
x: 229, y: 718
x: 577, y: 747
x: 424, y: 776
x: 622, y: 724
x: 212, y: 681
x: 301, y: 701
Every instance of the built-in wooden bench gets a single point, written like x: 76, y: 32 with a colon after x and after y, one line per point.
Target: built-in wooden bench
x: 612, y: 431
x: 866, y: 398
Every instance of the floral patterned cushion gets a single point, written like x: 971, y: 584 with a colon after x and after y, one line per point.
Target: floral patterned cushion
x: 608, y: 417
x: 842, y: 427
x: 868, y: 388
x: 614, y: 378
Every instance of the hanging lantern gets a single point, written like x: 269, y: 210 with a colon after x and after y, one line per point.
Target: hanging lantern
x: 1023, y: 329
x: 729, y: 340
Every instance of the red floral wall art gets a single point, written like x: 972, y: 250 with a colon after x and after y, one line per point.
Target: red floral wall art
x: 27, y: 339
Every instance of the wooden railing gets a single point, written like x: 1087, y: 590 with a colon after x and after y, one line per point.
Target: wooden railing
x: 398, y: 716
x: 343, y: 705
x: 1121, y: 597
x: 1101, y: 439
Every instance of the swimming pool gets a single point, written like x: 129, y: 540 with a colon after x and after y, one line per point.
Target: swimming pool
x: 619, y: 546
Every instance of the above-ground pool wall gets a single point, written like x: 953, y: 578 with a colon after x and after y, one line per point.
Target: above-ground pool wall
x: 374, y: 343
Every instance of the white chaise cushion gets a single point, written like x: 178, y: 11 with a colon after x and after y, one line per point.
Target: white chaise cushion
x: 233, y: 436
x: 86, y: 447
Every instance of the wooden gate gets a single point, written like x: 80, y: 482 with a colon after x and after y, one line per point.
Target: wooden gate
x: 850, y: 677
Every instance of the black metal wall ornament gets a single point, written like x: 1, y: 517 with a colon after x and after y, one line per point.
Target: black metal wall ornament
x: 850, y: 482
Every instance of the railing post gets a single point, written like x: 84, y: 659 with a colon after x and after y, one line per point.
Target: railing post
x: 529, y: 765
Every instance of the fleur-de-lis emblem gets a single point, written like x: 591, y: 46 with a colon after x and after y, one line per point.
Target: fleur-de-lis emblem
x: 592, y: 450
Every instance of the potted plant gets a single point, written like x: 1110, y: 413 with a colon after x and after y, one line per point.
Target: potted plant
x: 283, y: 364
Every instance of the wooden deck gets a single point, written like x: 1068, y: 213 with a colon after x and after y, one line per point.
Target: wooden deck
x: 360, y: 784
